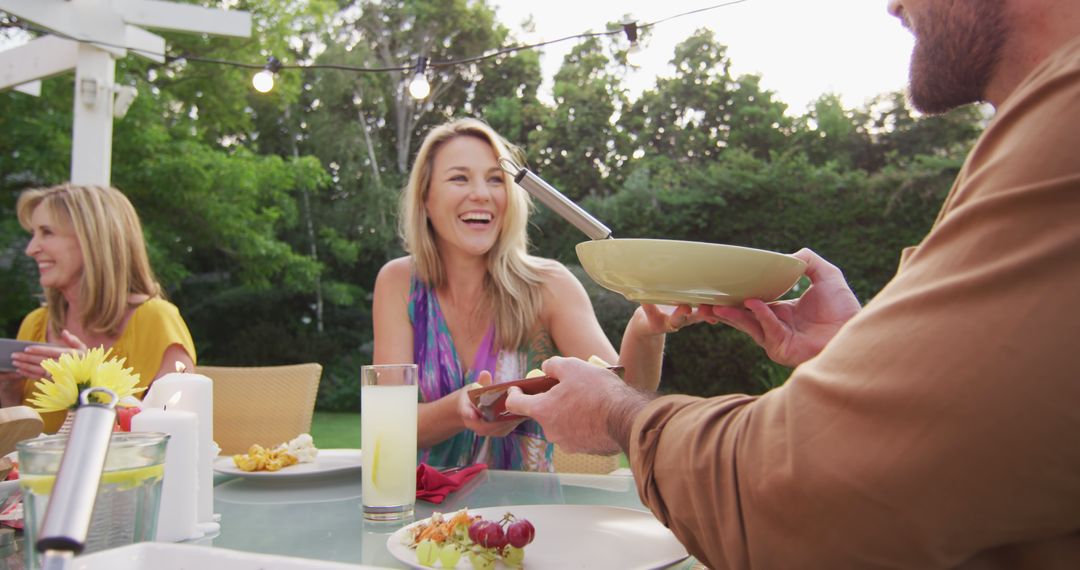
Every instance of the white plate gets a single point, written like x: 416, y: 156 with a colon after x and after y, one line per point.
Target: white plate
x: 576, y: 536
x: 162, y: 556
x: 327, y: 461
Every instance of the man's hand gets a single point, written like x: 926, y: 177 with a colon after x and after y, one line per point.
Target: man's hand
x: 590, y: 410
x: 471, y: 418
x: 28, y: 362
x: 792, y: 332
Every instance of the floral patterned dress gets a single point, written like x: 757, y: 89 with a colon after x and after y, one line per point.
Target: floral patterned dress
x: 441, y: 373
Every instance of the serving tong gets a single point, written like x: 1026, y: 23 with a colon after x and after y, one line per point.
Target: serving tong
x: 557, y: 201
x: 71, y: 504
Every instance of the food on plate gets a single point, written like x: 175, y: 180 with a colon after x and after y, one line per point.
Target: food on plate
x: 443, y: 539
x: 300, y: 449
x: 594, y: 359
x: 258, y: 458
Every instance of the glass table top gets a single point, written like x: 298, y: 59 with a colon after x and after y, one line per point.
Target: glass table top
x: 320, y: 518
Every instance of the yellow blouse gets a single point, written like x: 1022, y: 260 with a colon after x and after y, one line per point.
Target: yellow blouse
x: 153, y: 327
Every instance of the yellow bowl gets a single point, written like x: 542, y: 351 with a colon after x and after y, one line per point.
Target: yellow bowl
x: 672, y: 272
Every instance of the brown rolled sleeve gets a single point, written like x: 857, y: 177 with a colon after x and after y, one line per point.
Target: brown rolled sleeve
x: 938, y: 428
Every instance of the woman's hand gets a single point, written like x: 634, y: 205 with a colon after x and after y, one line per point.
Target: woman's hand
x: 792, y: 332
x: 470, y: 416
x: 28, y: 362
x: 661, y: 319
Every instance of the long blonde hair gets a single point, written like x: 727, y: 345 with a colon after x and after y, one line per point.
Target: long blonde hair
x: 115, y: 264
x: 513, y: 282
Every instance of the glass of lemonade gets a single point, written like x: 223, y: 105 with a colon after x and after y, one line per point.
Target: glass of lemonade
x: 388, y: 400
x: 126, y: 507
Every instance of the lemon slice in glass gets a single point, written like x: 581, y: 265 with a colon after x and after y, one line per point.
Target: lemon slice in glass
x: 125, y: 479
x: 375, y: 465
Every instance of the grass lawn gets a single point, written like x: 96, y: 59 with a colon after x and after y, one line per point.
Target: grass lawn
x: 338, y: 430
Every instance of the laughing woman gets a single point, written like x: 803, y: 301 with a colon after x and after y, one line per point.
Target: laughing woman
x: 469, y: 304
x: 99, y: 290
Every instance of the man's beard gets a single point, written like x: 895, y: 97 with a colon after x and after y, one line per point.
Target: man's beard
x: 958, y: 45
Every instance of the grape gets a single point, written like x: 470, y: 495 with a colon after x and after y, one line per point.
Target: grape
x: 477, y: 529
x: 450, y: 555
x: 496, y: 537
x: 481, y: 561
x: 488, y: 534
x: 513, y: 556
x: 427, y: 552
x: 520, y: 533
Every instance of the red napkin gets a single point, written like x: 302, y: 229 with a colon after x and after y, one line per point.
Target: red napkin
x: 433, y: 485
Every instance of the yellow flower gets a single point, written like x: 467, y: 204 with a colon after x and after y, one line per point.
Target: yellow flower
x: 74, y: 373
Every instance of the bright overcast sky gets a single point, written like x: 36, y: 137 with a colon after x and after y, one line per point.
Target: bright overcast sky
x: 801, y: 48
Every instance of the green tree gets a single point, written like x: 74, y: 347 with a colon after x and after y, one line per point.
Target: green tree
x: 694, y: 116
x: 576, y: 145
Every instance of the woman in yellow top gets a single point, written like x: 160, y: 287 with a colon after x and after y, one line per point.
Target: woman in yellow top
x: 99, y: 289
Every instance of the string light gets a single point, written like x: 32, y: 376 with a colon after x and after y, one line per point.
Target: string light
x: 419, y: 87
x: 630, y: 29
x: 263, y: 81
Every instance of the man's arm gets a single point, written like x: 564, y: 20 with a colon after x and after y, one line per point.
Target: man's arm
x: 590, y: 410
x: 621, y: 414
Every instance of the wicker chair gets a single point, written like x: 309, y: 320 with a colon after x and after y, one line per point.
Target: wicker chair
x: 266, y: 405
x: 583, y: 462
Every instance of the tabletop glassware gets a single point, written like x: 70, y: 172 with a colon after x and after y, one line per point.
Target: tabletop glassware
x: 128, y: 497
x: 388, y: 402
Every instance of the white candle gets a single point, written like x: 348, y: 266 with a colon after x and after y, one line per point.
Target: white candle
x: 198, y: 397
x: 177, y: 515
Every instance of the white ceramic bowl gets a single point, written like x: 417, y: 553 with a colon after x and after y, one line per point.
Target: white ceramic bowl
x: 672, y: 272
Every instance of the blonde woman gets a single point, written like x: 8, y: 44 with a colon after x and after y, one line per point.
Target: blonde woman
x: 99, y: 289
x: 470, y: 304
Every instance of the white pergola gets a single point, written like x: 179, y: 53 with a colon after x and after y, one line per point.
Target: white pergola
x: 100, y: 31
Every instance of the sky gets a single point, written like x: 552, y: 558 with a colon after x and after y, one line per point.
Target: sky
x: 801, y: 48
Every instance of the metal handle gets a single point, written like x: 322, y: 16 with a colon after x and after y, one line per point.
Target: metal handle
x: 560, y: 204
x: 71, y: 503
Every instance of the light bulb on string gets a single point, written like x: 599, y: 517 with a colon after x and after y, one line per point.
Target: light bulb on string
x: 263, y: 81
x: 631, y: 30
x: 419, y: 87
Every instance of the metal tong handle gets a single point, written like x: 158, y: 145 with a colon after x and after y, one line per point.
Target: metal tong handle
x: 71, y: 504
x: 555, y: 200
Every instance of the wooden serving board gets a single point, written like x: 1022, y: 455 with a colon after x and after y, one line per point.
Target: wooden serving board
x: 16, y: 424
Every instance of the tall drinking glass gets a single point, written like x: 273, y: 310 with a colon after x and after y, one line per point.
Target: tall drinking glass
x: 388, y: 400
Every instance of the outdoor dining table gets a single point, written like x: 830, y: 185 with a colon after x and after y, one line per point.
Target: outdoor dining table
x: 320, y: 517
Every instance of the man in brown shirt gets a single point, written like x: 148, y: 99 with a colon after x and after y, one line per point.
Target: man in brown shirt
x: 937, y: 426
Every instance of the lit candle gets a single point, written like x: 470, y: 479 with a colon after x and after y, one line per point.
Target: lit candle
x: 177, y: 515
x: 198, y: 398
